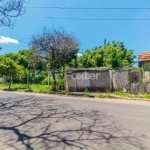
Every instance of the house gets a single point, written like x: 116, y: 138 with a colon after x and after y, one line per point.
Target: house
x: 95, y: 79
x: 144, y: 61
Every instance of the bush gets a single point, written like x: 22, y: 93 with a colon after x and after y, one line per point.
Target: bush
x: 45, y: 81
x: 67, y: 92
x: 61, y: 84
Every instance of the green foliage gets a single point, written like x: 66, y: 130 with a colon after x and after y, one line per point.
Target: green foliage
x: 40, y: 88
x: 23, y: 87
x: 86, y: 92
x: 9, y: 68
x: 45, y: 81
x: 113, y: 55
x: 32, y: 68
x: 100, y: 95
x: 67, y: 92
x: 121, y: 93
x: 147, y: 96
x: 134, y: 69
x: 60, y: 84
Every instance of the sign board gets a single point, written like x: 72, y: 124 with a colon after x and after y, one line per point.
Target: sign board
x: 0, y: 79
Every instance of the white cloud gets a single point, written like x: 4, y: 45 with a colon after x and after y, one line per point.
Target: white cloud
x: 7, y: 40
x: 79, y: 54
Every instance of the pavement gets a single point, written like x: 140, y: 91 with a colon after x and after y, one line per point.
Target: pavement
x: 47, y: 122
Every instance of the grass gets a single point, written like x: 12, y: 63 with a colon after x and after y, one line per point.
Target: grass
x: 23, y: 87
x: 86, y: 93
x: 3, y: 86
x: 37, y: 88
x: 146, y: 96
x: 103, y: 95
x: 121, y: 93
x: 100, y: 95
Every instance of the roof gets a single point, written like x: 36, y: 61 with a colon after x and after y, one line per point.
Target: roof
x: 88, y: 69
x: 145, y: 56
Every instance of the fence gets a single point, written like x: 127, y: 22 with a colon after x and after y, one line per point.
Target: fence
x: 105, y: 80
x: 140, y: 87
x: 119, y: 79
x: 93, y: 80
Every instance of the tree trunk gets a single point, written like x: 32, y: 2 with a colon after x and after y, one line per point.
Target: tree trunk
x: 54, y: 81
x: 52, y: 67
x: 76, y: 66
x: 28, y: 81
x: 10, y: 83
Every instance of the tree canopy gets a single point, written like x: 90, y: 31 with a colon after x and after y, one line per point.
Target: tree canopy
x: 113, y: 55
x: 54, y: 50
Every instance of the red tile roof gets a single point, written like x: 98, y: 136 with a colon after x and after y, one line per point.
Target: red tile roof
x: 144, y: 56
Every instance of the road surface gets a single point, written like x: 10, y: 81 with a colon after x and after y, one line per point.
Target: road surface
x: 43, y: 122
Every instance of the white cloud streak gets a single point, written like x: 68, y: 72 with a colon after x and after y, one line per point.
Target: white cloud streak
x: 7, y: 40
x: 79, y: 55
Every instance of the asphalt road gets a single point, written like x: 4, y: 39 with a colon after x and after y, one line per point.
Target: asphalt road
x: 42, y: 122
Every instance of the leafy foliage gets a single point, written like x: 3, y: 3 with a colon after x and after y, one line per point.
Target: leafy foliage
x: 56, y: 51
x: 113, y: 55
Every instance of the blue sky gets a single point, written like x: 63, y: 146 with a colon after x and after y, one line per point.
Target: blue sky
x: 134, y: 34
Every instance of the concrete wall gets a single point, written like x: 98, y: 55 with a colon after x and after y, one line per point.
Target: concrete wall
x: 147, y: 76
x: 146, y: 66
x: 135, y: 77
x: 98, y: 81
x: 140, y: 88
x: 119, y: 79
x: 103, y: 83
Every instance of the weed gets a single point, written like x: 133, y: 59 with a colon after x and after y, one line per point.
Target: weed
x: 86, y: 93
x: 100, y: 95
x: 67, y: 92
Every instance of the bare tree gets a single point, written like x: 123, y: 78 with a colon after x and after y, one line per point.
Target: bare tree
x: 9, y: 11
x: 56, y: 46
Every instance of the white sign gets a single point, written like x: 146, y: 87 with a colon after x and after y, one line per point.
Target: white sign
x: 85, y: 76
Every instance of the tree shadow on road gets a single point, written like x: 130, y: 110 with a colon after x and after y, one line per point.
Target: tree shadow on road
x: 42, y: 123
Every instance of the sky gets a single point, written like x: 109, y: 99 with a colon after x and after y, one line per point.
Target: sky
x: 135, y: 34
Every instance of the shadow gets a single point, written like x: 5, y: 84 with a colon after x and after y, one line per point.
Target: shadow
x: 10, y: 90
x: 40, y: 123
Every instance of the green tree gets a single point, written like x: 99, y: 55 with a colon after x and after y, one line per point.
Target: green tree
x: 113, y: 55
x: 9, y: 68
x: 32, y: 67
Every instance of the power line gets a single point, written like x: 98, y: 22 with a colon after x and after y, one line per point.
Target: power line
x: 89, y: 19
x: 91, y: 8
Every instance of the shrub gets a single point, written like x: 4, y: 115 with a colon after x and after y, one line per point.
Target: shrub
x: 67, y: 92
x: 60, y: 84
x: 45, y: 81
